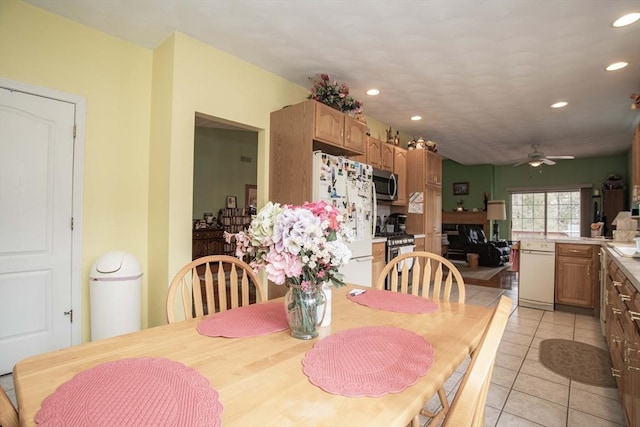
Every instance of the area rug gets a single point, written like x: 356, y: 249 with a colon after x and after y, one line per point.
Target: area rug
x: 577, y: 361
x: 478, y: 273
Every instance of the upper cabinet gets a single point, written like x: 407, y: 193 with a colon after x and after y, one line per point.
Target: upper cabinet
x: 339, y: 129
x: 434, y: 168
x: 400, y: 169
x: 296, y: 132
x: 380, y: 154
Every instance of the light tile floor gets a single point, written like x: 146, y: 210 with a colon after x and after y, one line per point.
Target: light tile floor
x: 523, y: 392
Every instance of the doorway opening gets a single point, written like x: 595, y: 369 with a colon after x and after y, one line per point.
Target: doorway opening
x: 225, y: 182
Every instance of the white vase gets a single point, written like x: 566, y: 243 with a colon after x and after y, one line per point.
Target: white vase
x: 326, y: 321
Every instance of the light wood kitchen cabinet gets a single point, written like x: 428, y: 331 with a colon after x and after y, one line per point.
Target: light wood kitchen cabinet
x: 379, y: 260
x: 635, y: 171
x: 339, y: 129
x: 400, y: 169
x: 296, y: 131
x: 577, y: 275
x: 622, y: 302
x: 420, y: 245
x: 434, y: 169
x: 428, y: 219
x: 380, y: 154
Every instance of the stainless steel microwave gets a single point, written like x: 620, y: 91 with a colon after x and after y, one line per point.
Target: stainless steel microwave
x: 386, y: 184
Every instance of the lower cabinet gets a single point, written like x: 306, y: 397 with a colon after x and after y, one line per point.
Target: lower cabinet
x: 419, y: 244
x: 622, y: 302
x: 379, y: 260
x: 577, y: 275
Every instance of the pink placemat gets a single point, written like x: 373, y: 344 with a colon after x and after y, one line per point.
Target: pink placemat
x: 394, y: 301
x: 133, y: 392
x: 368, y: 361
x: 247, y: 321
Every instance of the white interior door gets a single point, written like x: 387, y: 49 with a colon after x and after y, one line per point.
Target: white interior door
x: 36, y: 199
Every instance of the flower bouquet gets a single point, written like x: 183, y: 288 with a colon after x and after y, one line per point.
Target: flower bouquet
x: 302, y: 247
x: 333, y: 94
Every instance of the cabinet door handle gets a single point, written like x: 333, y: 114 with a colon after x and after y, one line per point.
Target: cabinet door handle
x: 615, y: 339
x: 616, y: 283
x: 634, y: 315
x: 615, y: 373
x: 624, y: 297
x: 627, y: 356
x: 616, y: 310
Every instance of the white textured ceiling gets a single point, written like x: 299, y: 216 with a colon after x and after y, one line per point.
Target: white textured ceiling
x: 482, y: 74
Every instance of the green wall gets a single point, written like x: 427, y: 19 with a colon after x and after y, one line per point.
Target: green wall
x: 219, y: 170
x: 497, y: 179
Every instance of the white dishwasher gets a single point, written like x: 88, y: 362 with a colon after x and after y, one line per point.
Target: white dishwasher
x: 537, y: 274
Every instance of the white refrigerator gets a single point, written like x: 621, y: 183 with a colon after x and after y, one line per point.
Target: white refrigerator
x: 348, y: 185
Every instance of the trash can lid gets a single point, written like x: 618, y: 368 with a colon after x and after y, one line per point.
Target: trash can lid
x: 116, y: 264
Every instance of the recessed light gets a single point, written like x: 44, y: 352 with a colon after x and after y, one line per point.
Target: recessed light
x: 627, y: 19
x: 373, y: 92
x: 616, y: 66
x: 414, y: 118
x: 559, y: 104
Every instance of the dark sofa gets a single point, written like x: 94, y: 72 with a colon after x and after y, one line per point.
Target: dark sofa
x: 471, y: 239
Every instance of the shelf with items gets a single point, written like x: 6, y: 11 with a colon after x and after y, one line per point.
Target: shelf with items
x: 233, y: 220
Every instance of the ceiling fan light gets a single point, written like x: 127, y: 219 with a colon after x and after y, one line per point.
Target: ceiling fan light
x: 373, y: 92
x: 616, y: 66
x: 535, y: 163
x: 627, y: 19
x: 559, y: 104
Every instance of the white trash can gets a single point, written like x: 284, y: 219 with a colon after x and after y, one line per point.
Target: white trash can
x: 115, y: 295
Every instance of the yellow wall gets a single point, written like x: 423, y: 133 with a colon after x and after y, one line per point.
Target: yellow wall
x: 39, y: 48
x: 138, y: 166
x: 209, y: 81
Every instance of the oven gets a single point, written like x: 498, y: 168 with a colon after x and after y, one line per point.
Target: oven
x: 397, y: 243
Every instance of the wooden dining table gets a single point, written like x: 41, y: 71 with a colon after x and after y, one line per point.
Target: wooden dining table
x: 260, y: 379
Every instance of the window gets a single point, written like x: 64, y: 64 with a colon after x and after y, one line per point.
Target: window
x: 545, y: 213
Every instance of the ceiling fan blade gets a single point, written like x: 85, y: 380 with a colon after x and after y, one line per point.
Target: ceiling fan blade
x: 521, y: 163
x: 561, y: 157
x: 547, y: 161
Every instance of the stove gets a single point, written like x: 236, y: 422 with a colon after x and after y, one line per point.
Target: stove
x: 396, y: 239
x: 397, y: 243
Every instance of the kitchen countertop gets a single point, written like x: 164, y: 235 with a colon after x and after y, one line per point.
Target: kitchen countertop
x: 629, y: 265
x: 379, y: 240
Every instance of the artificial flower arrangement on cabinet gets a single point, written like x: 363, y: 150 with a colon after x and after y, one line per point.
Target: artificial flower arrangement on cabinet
x: 334, y: 94
x: 302, y: 247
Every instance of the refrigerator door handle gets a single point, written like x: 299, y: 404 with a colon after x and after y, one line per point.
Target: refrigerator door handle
x: 375, y: 211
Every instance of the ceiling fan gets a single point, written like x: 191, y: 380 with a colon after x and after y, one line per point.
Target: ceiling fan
x: 537, y: 158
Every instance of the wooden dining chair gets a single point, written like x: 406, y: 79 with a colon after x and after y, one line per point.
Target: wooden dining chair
x: 211, y: 284
x: 430, y: 276
x: 423, y: 274
x: 8, y: 412
x: 467, y: 408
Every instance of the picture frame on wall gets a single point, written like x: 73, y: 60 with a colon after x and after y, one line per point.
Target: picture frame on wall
x: 251, y: 195
x: 231, y: 202
x: 460, y: 188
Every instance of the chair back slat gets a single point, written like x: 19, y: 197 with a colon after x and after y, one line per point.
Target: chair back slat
x: 228, y: 283
x: 233, y: 286
x: 222, y: 287
x: 195, y: 293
